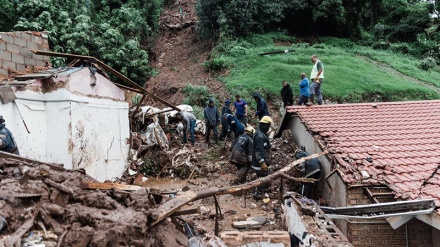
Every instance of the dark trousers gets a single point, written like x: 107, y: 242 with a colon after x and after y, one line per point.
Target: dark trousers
x: 307, y: 189
x: 208, y: 132
x: 192, y: 125
x: 225, y: 128
x: 303, y: 100
x: 242, y: 120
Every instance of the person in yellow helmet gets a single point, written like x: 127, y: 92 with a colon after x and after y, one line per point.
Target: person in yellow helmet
x: 241, y: 154
x: 261, y: 151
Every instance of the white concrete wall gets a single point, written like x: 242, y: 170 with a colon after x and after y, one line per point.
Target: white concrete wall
x: 77, y: 131
x: 336, y: 196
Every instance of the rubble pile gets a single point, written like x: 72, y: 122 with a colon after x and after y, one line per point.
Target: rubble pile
x: 45, y: 205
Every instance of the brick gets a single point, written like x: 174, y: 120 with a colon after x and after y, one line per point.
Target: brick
x: 40, y: 63
x: 9, y: 64
x: 36, y: 39
x: 3, y: 72
x: 32, y: 45
x: 20, y: 42
x: 13, y: 48
x: 18, y: 58
x: 25, y: 52
x: 26, y: 35
x: 43, y: 47
x: 30, y: 61
x: 21, y: 67
x: 5, y: 55
x: 7, y: 38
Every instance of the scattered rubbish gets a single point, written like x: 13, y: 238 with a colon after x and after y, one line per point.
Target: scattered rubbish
x: 266, y: 200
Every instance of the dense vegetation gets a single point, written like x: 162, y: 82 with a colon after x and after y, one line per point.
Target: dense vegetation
x: 355, y: 73
x: 372, y: 22
x: 115, y: 31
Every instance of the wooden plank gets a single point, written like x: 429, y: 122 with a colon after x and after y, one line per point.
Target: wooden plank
x: 108, y: 186
x: 7, y: 94
x: 187, y: 211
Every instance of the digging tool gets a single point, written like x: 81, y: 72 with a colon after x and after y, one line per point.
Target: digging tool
x: 223, y: 150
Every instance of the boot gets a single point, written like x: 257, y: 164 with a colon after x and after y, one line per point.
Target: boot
x: 241, y: 175
x: 311, y: 100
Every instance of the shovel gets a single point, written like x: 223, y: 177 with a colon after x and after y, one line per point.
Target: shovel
x: 223, y: 150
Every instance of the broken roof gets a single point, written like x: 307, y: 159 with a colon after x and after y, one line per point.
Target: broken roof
x: 396, y: 144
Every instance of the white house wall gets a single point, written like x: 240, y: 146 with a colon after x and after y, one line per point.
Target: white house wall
x: 336, y: 196
x: 77, y: 131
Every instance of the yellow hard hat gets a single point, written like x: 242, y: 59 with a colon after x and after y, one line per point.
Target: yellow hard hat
x: 266, y: 119
x: 250, y: 129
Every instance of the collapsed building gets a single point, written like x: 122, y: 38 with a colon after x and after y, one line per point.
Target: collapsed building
x: 383, y: 154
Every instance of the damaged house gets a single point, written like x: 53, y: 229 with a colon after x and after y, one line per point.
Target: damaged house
x: 384, y: 156
x: 72, y: 116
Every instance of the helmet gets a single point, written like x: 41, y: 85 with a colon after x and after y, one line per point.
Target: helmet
x: 266, y: 119
x: 250, y: 129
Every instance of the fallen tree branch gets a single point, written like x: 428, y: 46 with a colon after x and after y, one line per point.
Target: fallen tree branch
x: 173, y: 205
x: 302, y: 180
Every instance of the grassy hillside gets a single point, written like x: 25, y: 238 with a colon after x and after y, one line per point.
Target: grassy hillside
x: 352, y: 73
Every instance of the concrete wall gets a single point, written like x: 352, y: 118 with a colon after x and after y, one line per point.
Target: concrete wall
x: 336, y: 194
x: 74, y: 130
x: 15, y: 51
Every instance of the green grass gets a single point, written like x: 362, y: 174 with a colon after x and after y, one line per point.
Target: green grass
x: 348, y: 77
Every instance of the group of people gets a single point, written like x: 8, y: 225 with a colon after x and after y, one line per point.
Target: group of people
x: 307, y: 92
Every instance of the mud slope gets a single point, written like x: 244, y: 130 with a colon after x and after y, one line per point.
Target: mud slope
x: 179, y: 55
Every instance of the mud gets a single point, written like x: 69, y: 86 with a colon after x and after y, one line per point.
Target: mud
x: 34, y: 197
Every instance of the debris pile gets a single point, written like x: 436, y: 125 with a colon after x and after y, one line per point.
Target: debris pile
x: 44, y: 204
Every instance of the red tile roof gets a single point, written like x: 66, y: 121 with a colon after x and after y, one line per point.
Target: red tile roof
x: 401, y: 138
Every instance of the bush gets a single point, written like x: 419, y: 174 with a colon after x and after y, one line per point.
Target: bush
x: 319, y: 46
x: 238, y: 51
x: 216, y: 64
x: 403, y: 48
x: 195, y: 95
x: 427, y: 63
x: 381, y: 45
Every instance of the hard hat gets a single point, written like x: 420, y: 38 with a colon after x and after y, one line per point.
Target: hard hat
x: 250, y: 129
x: 266, y: 119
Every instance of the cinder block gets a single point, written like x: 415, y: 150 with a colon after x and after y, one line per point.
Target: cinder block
x: 13, y: 48
x: 29, y: 61
x: 2, y: 45
x: 9, y: 64
x: 32, y: 45
x: 3, y: 71
x: 21, y: 67
x: 18, y: 58
x: 5, y: 55
x: 44, y: 35
x: 26, y: 35
x: 20, y: 42
x: 37, y: 57
x: 40, y: 63
x: 7, y: 37
x: 36, y: 39
x: 25, y: 52
x: 43, y: 47
x: 45, y: 41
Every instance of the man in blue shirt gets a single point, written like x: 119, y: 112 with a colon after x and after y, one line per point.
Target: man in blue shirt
x: 189, y: 123
x: 304, y: 92
x: 240, y: 106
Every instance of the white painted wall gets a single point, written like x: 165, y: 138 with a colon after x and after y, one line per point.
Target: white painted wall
x: 336, y: 196
x: 77, y: 131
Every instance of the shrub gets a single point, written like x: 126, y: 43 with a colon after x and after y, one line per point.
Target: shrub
x: 216, y: 64
x: 195, y: 95
x: 381, y: 45
x: 427, y: 63
x: 404, y: 48
x: 238, y: 51
x: 319, y: 46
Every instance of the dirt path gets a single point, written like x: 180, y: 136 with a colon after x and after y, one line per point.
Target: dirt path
x: 179, y: 55
x: 391, y: 70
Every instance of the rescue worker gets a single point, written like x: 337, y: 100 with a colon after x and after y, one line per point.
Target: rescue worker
x: 261, y: 153
x: 225, y: 127
x: 7, y: 141
x: 309, y: 169
x: 241, y: 154
x: 212, y: 120
x: 262, y: 109
x: 234, y: 125
x: 189, y: 123
x: 286, y: 94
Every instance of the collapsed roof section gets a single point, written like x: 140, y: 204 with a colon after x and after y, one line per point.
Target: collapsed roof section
x: 396, y: 144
